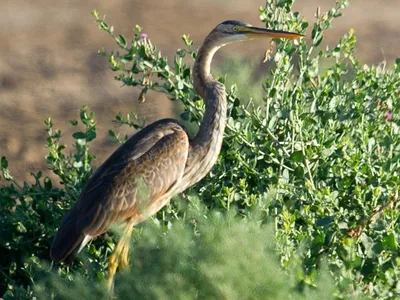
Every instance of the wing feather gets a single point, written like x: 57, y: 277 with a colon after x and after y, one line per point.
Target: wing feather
x: 138, y: 173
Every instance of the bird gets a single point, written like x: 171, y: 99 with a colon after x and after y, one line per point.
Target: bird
x: 155, y: 164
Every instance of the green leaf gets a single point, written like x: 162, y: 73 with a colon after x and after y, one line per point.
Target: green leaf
x: 185, y: 116
x: 21, y: 228
x: 91, y: 134
x: 47, y: 183
x: 328, y: 152
x: 78, y: 164
x: 111, y: 133
x: 121, y: 40
x: 390, y: 242
x: 79, y: 135
x: 325, y: 221
x: 297, y: 156
x: 103, y: 26
x: 95, y: 13
x: 180, y: 85
x: 4, y: 163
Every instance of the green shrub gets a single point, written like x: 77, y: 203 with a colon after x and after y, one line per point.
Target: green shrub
x: 317, y: 154
x: 202, y: 256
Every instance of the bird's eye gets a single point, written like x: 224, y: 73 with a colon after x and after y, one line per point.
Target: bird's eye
x: 235, y: 28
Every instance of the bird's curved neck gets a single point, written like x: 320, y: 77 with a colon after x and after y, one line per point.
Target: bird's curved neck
x: 206, y: 145
x: 202, y: 65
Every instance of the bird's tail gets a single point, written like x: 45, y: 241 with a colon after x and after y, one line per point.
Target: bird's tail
x: 68, y: 240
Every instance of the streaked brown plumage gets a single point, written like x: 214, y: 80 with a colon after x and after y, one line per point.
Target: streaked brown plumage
x: 156, y: 163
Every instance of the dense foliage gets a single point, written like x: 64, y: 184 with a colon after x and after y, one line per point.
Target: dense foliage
x: 203, y: 256
x: 317, y: 156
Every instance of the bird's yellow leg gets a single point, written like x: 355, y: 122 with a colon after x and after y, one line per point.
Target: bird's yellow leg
x: 112, y: 268
x: 120, y: 256
x: 124, y: 256
x: 125, y: 249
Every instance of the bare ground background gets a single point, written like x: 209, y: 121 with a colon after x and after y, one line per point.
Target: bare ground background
x: 49, y: 66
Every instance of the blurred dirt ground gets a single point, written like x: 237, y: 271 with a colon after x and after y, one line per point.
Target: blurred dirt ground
x: 49, y: 66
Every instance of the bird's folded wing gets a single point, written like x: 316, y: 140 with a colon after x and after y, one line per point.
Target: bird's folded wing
x: 130, y: 183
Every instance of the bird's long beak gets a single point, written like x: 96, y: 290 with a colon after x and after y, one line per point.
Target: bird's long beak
x: 256, y: 32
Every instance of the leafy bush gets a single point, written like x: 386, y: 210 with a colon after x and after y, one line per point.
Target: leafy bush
x: 30, y: 214
x: 318, y: 154
x: 202, y: 256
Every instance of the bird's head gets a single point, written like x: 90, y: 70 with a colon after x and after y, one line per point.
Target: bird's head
x: 233, y: 31
x: 225, y: 33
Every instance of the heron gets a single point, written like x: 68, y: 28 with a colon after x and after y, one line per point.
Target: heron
x: 155, y: 164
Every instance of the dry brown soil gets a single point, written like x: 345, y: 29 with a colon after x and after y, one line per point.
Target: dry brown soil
x: 49, y: 67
